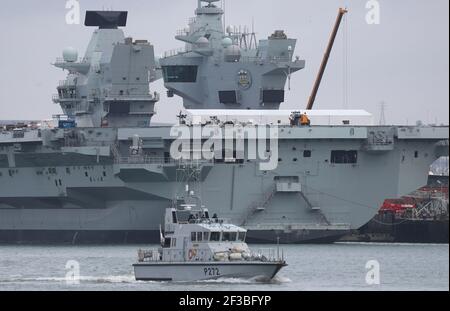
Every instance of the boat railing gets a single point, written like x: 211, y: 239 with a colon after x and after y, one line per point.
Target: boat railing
x: 268, y: 254
x: 61, y: 60
x: 175, y: 52
x: 259, y: 59
x: 145, y: 160
x: 149, y: 255
x: 207, y: 221
x: 141, y: 159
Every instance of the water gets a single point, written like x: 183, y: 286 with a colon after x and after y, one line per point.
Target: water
x: 311, y: 267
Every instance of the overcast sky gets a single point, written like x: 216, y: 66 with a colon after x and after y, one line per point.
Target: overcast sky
x: 403, y: 61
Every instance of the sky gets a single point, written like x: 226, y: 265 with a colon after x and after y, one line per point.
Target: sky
x: 402, y: 62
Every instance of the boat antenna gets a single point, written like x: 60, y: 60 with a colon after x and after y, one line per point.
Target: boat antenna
x: 224, y: 16
x: 278, y: 247
x: 383, y: 113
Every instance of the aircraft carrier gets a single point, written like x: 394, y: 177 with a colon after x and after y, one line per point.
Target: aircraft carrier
x: 102, y: 173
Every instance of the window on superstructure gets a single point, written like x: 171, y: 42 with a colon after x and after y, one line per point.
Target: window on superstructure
x: 193, y: 236
x: 183, y: 74
x: 205, y: 236
x: 199, y: 236
x: 226, y: 236
x: 215, y: 236
x: 344, y: 156
x: 167, y: 242
x: 233, y: 236
x: 119, y: 107
x: 174, y: 217
x: 241, y: 236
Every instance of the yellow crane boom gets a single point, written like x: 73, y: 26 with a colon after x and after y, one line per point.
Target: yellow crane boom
x: 326, y: 57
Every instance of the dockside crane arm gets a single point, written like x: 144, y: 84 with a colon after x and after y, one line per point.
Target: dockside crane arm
x: 326, y: 57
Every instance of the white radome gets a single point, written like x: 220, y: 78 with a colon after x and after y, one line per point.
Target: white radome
x: 70, y: 55
x: 202, y: 42
x: 233, y: 53
x: 226, y: 42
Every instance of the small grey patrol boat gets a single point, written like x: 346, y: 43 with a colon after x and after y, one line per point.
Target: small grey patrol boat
x: 195, y: 246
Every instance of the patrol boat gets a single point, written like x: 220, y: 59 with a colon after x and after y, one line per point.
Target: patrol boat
x: 195, y: 247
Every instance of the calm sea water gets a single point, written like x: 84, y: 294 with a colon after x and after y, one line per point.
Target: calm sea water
x: 311, y: 267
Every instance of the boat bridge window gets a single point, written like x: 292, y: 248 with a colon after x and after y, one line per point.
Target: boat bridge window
x: 241, y: 236
x: 229, y: 236
x: 193, y: 236
x: 226, y: 236
x: 119, y: 108
x: 228, y: 97
x: 215, y: 236
x: 344, y: 156
x: 199, y: 236
x: 205, y: 236
x: 174, y: 217
x: 167, y: 242
x: 184, y: 74
x: 233, y: 236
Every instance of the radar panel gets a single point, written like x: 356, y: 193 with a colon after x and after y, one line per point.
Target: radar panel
x: 106, y: 19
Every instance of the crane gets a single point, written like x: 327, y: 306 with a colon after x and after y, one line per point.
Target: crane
x: 326, y: 57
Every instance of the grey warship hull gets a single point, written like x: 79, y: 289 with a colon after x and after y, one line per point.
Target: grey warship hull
x: 107, y: 198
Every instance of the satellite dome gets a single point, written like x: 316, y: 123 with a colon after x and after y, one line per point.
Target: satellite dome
x: 230, y: 29
x: 70, y: 55
x: 233, y: 53
x: 202, y: 42
x: 226, y: 42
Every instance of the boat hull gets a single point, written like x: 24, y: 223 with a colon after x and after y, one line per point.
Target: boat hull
x: 198, y: 271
